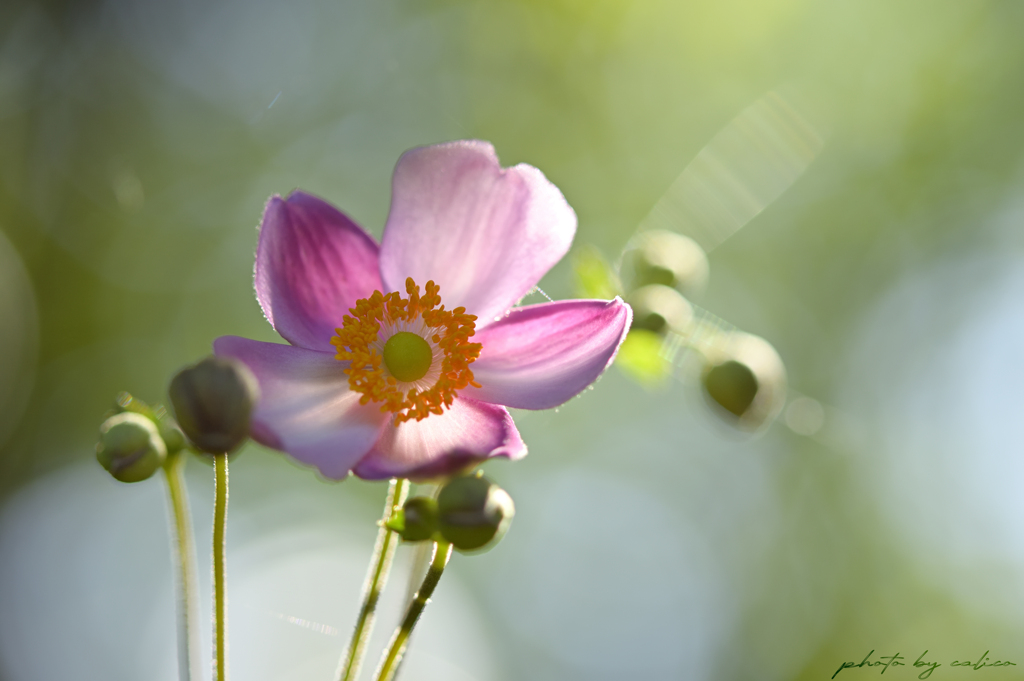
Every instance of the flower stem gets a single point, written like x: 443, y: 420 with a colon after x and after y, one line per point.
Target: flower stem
x: 184, y: 546
x: 376, y: 579
x: 389, y: 665
x: 220, y: 515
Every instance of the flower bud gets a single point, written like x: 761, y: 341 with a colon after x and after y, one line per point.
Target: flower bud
x: 213, y: 401
x: 170, y: 432
x: 659, y: 309
x: 473, y: 512
x: 416, y: 520
x: 130, y: 447
x: 666, y: 258
x: 746, y: 379
x: 172, y: 436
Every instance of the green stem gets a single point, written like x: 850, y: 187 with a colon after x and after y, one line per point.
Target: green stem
x: 422, y: 553
x: 376, y: 579
x: 388, y: 667
x: 220, y: 515
x: 184, y: 546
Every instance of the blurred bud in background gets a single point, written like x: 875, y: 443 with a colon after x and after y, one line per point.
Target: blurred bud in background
x: 130, y: 447
x: 416, y: 520
x: 666, y: 258
x: 660, y: 309
x: 745, y: 380
x: 213, y: 401
x: 473, y: 512
x: 731, y: 385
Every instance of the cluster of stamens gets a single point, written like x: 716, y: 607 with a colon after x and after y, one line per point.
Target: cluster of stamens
x: 361, y: 341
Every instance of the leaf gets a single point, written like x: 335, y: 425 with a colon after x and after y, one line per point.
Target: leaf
x: 595, y: 277
x: 641, y: 359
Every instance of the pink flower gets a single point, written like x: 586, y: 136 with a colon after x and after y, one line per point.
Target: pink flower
x: 388, y: 372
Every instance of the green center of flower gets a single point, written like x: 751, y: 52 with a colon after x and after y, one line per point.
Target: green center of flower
x: 382, y: 372
x: 407, y: 356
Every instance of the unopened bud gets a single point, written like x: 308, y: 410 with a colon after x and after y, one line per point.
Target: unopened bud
x: 746, y: 378
x: 473, y: 512
x: 659, y: 309
x: 666, y: 258
x: 130, y: 447
x: 172, y: 436
x: 416, y: 520
x: 214, y: 401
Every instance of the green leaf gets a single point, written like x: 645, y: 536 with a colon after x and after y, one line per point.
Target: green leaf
x: 640, y: 358
x: 595, y: 277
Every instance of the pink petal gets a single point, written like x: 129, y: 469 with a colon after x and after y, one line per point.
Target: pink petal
x: 468, y: 432
x: 484, y: 234
x: 312, y: 264
x: 539, y: 356
x: 306, y: 408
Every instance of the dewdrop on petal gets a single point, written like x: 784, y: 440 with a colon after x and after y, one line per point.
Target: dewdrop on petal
x: 214, y: 401
x: 745, y: 380
x: 473, y: 512
x: 130, y: 447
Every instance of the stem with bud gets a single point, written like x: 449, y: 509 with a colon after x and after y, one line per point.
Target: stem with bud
x: 376, y: 579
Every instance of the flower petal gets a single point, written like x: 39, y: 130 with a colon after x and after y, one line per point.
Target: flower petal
x: 467, y: 432
x: 306, y: 408
x: 312, y: 264
x: 539, y: 356
x: 484, y: 234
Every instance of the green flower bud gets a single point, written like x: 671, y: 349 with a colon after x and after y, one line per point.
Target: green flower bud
x: 416, y: 520
x: 746, y: 381
x: 169, y: 431
x: 213, y: 401
x: 666, y: 258
x: 659, y: 309
x: 130, y: 447
x: 473, y: 512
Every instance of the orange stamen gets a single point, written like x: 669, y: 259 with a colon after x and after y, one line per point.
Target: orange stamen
x: 449, y: 330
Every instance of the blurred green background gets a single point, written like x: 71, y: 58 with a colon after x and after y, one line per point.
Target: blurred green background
x: 139, y: 141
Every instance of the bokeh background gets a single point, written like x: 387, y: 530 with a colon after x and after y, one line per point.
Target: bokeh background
x: 139, y: 141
